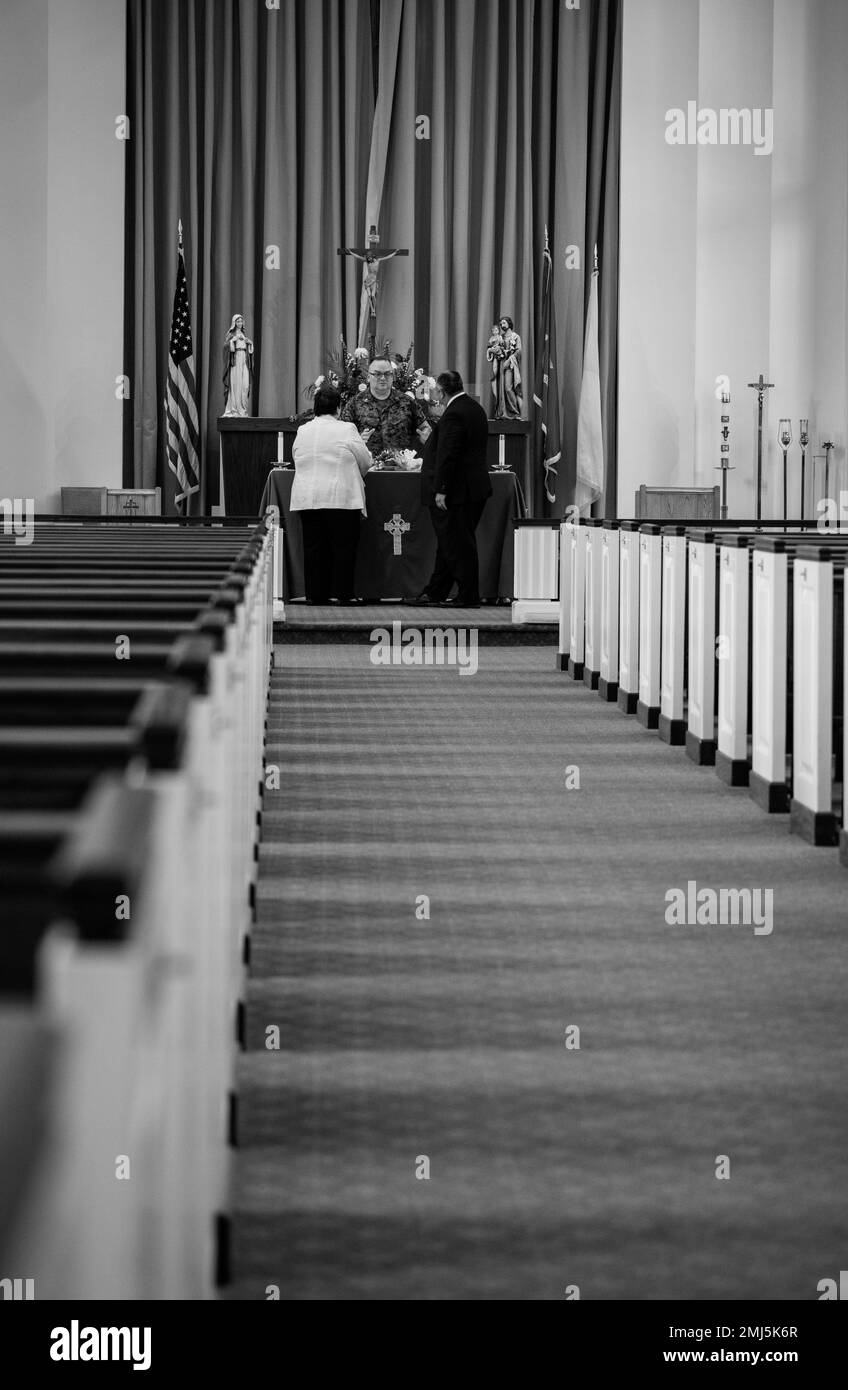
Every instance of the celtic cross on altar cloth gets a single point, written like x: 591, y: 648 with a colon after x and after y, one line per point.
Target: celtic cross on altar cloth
x: 396, y: 528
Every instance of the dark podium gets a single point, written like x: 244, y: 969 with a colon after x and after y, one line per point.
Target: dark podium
x: 249, y: 450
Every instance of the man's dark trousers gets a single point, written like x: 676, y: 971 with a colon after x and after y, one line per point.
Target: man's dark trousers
x: 456, y: 551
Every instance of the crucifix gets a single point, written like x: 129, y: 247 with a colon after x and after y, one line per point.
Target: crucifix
x: 760, y: 387
x: 396, y: 528
x: 370, y: 269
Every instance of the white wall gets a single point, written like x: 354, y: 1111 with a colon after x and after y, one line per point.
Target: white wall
x: 62, y: 84
x: 24, y: 467
x: 657, y: 252
x: 732, y: 263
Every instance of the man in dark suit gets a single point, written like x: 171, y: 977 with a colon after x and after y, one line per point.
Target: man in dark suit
x: 455, y: 484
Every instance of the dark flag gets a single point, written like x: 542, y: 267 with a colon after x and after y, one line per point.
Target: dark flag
x: 546, y: 393
x: 182, y: 429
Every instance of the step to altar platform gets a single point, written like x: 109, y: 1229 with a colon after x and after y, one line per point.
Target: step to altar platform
x: 302, y: 622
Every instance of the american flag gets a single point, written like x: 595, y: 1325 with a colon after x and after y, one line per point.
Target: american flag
x: 181, y: 423
x: 546, y: 393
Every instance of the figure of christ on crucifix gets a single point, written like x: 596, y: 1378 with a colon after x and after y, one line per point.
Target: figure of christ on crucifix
x: 370, y: 270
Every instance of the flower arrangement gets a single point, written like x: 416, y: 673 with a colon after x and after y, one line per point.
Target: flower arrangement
x: 405, y: 459
x: 347, y: 370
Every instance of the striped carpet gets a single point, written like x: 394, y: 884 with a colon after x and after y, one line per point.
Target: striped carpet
x: 403, y: 1039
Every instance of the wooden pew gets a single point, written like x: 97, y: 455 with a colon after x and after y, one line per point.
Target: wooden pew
x: 610, y: 600
x: 197, y: 897
x: 817, y: 687
x: 722, y: 633
x: 628, y: 620
x: 594, y: 603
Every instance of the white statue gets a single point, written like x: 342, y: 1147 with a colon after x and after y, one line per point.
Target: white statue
x: 238, y: 369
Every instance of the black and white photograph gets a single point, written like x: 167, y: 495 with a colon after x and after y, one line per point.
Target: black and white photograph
x: 423, y: 544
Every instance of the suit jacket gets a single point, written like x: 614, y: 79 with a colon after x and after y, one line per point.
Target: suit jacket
x: 454, y: 457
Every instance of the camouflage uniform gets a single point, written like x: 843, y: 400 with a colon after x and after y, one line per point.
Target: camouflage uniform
x: 394, y: 420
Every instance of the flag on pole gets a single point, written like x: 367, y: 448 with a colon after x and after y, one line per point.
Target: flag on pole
x: 182, y: 428
x: 590, y: 443
x: 546, y: 391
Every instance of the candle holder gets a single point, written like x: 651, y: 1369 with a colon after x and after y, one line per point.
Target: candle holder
x: 724, y: 462
x: 803, y: 440
x: 784, y: 434
x: 827, y: 445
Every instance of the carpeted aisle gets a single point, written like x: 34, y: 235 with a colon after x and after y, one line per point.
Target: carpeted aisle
x: 402, y: 1038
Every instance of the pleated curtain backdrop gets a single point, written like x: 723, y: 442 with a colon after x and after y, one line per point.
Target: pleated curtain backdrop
x: 461, y: 128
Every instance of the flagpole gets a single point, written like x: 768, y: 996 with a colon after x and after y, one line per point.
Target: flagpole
x: 590, y: 479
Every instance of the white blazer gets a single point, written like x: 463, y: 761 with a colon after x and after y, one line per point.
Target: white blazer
x: 330, y: 460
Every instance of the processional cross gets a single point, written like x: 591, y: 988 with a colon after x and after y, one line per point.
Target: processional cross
x: 760, y: 387
x: 370, y: 269
x: 396, y: 528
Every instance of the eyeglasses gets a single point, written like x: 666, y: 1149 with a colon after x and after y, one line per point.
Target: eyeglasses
x: 389, y: 373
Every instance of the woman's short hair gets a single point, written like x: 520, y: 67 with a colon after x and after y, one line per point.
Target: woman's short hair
x: 450, y: 383
x: 326, y: 400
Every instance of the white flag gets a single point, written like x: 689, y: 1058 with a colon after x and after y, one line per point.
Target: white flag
x: 590, y: 443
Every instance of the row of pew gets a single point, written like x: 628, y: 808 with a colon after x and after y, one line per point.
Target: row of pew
x: 729, y: 641
x: 134, y: 673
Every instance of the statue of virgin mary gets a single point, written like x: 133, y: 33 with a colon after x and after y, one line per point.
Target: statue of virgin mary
x: 238, y: 369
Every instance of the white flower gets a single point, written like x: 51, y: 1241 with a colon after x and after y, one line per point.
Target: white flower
x: 360, y: 352
x: 319, y: 381
x: 362, y: 386
x: 431, y: 383
x: 394, y: 366
x: 411, y: 395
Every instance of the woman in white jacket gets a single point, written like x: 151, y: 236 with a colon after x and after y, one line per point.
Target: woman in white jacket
x: 330, y: 461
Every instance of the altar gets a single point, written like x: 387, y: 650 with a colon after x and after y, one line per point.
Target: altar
x: 397, y: 544
x: 250, y: 445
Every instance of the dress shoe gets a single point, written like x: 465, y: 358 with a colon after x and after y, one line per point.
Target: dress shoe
x: 460, y: 603
x: 425, y: 599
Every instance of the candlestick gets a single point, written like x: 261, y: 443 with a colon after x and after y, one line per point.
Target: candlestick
x: 724, y: 460
x: 816, y: 500
x: 501, y: 451
x: 827, y: 445
x: 803, y: 440
x: 784, y: 434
